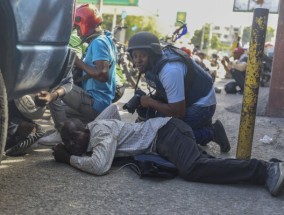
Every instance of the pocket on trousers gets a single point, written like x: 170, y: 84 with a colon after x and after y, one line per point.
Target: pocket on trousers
x: 86, y: 99
x: 182, y: 127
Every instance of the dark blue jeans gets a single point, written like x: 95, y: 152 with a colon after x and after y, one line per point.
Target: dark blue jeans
x: 200, y: 120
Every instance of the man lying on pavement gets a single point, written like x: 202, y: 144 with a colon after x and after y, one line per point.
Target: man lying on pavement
x: 171, y: 138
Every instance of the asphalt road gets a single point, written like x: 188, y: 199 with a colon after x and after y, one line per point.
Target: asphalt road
x: 36, y: 184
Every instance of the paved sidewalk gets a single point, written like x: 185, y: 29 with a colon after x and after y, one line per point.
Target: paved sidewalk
x: 36, y: 184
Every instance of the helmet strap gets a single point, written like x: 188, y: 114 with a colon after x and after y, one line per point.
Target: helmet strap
x: 91, y: 36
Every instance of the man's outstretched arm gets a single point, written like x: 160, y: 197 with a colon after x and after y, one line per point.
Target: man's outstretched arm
x: 102, y: 156
x: 99, y: 163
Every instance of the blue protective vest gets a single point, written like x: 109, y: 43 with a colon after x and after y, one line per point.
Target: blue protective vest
x: 197, y: 82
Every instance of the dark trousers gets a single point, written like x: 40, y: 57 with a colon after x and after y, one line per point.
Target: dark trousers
x: 200, y: 120
x: 176, y: 142
x: 239, y: 78
x: 77, y: 104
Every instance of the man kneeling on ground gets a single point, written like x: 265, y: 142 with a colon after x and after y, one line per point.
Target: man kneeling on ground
x: 171, y: 138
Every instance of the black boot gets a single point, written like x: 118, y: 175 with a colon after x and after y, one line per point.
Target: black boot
x: 220, y: 136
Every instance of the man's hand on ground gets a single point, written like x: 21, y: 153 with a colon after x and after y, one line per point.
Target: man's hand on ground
x: 61, y: 154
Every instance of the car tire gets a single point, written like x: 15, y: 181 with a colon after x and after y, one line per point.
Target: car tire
x: 3, y: 115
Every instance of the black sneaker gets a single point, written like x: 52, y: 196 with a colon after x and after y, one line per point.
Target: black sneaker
x: 220, y: 136
x: 275, y: 160
x: 275, y: 178
x: 21, y: 147
x: 217, y: 90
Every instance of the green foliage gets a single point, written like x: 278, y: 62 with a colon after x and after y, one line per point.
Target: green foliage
x: 201, y: 34
x: 247, y: 34
x: 141, y: 23
x: 215, y: 43
x: 206, y: 29
x: 269, y: 33
x: 224, y: 47
x: 120, y: 77
x: 196, y: 39
x: 107, y: 21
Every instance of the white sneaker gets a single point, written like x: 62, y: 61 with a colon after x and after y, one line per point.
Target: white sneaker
x: 50, y: 139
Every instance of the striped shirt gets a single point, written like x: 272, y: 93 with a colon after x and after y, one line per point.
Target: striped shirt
x: 114, y: 138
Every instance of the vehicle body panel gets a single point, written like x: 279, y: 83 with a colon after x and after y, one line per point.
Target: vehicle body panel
x: 34, y: 50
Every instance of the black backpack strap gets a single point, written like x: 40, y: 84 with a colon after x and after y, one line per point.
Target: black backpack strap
x: 153, y: 165
x: 190, y: 73
x: 148, y: 165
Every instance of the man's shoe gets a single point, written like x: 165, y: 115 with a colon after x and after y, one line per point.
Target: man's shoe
x: 220, y: 136
x: 20, y: 148
x: 275, y: 178
x: 275, y: 160
x: 217, y: 90
x: 240, y: 92
x: 51, y: 140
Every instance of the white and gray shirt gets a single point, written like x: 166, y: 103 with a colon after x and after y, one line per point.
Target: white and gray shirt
x: 114, y: 138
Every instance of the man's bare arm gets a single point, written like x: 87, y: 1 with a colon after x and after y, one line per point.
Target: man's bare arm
x: 98, y: 72
x: 172, y: 109
x: 102, y: 156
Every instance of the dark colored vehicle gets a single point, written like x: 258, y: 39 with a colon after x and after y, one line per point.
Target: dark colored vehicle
x: 34, y: 53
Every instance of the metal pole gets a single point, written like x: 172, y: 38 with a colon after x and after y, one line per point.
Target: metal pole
x: 122, y: 33
x: 202, y: 38
x: 114, y: 19
x: 251, y: 89
x: 100, y: 6
x: 210, y: 35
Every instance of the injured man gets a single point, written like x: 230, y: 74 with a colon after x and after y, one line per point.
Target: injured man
x: 92, y: 149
